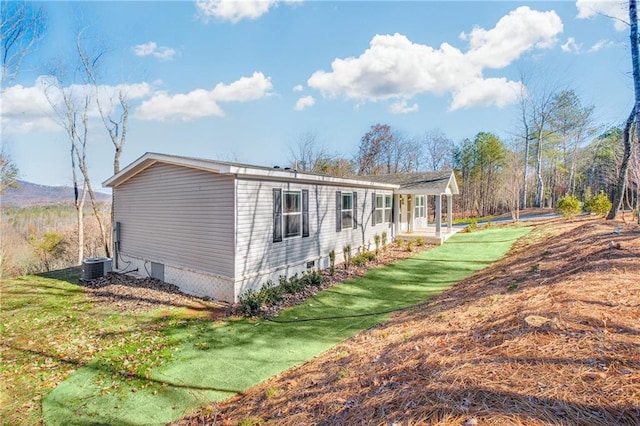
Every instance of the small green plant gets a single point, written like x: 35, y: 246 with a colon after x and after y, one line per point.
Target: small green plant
x: 332, y: 262
x: 346, y: 252
x: 272, y: 293
x: 252, y: 301
x: 312, y: 278
x: 409, y: 245
x: 419, y: 241
x: 472, y: 226
x: 359, y: 260
x: 384, y: 240
x: 376, y: 240
x: 345, y: 372
x: 569, y: 206
x: 271, y: 392
x: 250, y: 421
x: 512, y: 286
x: 598, y: 204
x: 292, y: 285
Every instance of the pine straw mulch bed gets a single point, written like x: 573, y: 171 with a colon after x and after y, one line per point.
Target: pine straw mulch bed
x: 548, y: 335
x: 127, y: 293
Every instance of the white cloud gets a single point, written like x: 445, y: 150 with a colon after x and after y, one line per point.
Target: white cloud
x: 27, y: 108
x: 571, y: 46
x: 152, y: 49
x: 401, y: 107
x: 304, y: 102
x: 602, y: 44
x: 204, y: 103
x: 616, y: 9
x: 234, y: 10
x: 393, y: 67
x: 298, y: 88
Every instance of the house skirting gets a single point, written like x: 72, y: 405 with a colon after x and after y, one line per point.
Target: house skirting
x: 196, y: 283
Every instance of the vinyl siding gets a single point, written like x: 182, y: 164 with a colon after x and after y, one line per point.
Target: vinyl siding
x: 178, y: 216
x: 257, y: 254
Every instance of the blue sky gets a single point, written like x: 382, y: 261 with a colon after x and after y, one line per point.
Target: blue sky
x: 242, y: 80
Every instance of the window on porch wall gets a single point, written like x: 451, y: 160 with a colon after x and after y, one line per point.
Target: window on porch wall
x: 419, y: 206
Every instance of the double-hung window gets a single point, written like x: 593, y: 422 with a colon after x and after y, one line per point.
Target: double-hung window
x: 346, y: 210
x: 419, y: 206
x: 290, y: 214
x: 382, y: 208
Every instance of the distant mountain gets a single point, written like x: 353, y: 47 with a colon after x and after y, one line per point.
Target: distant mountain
x: 31, y: 194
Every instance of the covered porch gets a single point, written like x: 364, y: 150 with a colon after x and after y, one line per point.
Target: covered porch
x: 418, y: 218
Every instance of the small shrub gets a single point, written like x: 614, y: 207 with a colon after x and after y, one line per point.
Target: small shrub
x: 598, y: 204
x: 332, y: 262
x: 312, y: 278
x: 271, y: 392
x: 472, y: 226
x: 369, y: 256
x: 359, y: 260
x: 376, y: 240
x: 409, y: 245
x: 292, y: 285
x: 384, y: 240
x: 569, y: 206
x: 272, y: 293
x: 252, y: 301
x: 346, y: 252
x: 488, y: 225
x: 419, y: 241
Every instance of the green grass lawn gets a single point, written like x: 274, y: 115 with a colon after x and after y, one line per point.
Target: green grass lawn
x: 202, y: 361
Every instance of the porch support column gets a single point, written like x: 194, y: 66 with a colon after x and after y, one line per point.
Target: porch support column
x: 438, y: 215
x: 449, y: 212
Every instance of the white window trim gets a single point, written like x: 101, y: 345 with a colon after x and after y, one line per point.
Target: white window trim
x: 343, y: 210
x: 420, y: 206
x: 385, y: 211
x: 298, y: 213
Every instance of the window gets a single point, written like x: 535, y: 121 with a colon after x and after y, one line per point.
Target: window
x: 382, y: 208
x: 347, y: 210
x: 292, y: 214
x: 420, y: 210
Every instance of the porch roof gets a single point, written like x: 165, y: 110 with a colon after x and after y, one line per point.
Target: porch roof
x: 421, y: 183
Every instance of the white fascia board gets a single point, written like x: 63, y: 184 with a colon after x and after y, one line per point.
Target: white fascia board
x: 150, y: 158
x: 293, y: 176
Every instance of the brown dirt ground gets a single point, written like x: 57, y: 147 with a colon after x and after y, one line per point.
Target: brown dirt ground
x: 548, y: 335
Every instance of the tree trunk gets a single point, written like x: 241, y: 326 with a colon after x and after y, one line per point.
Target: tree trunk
x: 523, y: 203
x: 624, y: 167
x: 540, y: 182
x: 635, y: 112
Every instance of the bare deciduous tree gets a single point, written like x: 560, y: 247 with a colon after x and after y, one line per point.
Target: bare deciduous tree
x: 438, y: 149
x: 114, y: 114
x: 307, y: 155
x: 21, y: 28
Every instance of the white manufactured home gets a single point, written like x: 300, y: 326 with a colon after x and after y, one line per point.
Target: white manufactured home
x: 217, y: 229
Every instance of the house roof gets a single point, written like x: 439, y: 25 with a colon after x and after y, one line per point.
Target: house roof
x: 431, y: 183
x: 224, y: 167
